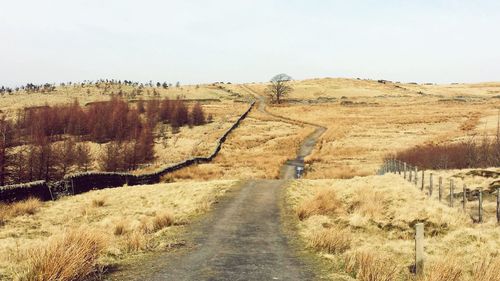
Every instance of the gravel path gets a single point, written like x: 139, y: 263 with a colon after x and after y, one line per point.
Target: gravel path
x: 242, y: 239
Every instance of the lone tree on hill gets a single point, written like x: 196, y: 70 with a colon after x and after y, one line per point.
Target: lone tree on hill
x: 279, y: 87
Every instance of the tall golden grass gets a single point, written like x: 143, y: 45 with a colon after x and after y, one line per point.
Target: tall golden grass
x: 334, y: 240
x: 26, y: 207
x: 370, y: 266
x: 371, y: 236
x: 71, y: 256
x: 325, y: 202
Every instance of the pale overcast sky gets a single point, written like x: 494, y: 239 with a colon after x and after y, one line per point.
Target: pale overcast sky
x: 244, y: 41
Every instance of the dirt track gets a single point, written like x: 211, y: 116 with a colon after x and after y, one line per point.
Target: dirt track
x: 242, y: 239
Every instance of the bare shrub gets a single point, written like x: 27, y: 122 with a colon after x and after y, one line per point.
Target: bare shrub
x: 487, y: 270
x: 331, y: 240
x: 369, y: 266
x: 325, y: 202
x: 72, y: 256
x: 466, y: 154
x: 446, y: 269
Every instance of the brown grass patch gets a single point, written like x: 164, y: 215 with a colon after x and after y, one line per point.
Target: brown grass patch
x: 98, y: 202
x: 487, y: 270
x: 331, y: 240
x: 120, y: 228
x: 368, y: 202
x: 447, y: 269
x: 25, y: 207
x: 163, y: 220
x: 325, y: 202
x: 136, y: 241
x: 369, y: 266
x: 72, y: 256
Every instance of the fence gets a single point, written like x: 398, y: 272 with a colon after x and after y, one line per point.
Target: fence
x: 82, y: 182
x: 411, y: 173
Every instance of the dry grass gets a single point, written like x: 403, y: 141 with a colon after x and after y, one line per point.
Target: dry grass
x: 325, y: 202
x: 71, y: 256
x: 332, y: 240
x: 120, y: 228
x: 383, y: 119
x: 487, y: 270
x: 132, y: 219
x: 26, y: 207
x: 163, y: 220
x: 446, y: 269
x: 256, y: 149
x: 369, y: 266
x: 98, y: 202
x: 378, y: 217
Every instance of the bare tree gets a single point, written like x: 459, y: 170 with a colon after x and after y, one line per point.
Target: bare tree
x: 279, y: 87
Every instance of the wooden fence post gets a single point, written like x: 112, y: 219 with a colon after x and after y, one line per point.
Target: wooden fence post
x: 416, y: 176
x: 451, y: 193
x: 464, y: 198
x: 404, y: 167
x: 480, y: 205
x: 498, y: 205
x: 410, y: 170
x: 419, y: 249
x: 440, y: 188
x: 423, y: 182
x: 430, y: 185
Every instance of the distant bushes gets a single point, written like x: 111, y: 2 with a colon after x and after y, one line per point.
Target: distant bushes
x: 45, y: 143
x: 467, y: 154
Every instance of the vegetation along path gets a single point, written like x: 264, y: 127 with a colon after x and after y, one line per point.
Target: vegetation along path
x: 242, y: 239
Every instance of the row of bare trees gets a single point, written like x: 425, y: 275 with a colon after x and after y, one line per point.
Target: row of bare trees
x: 49, y: 141
x: 472, y: 153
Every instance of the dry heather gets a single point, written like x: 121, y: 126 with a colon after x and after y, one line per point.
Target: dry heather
x: 256, y: 149
x: 370, y: 235
x: 100, y: 228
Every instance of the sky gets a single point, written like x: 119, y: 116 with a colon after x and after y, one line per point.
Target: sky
x: 248, y: 41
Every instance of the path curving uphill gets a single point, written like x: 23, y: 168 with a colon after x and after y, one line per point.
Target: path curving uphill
x: 243, y: 238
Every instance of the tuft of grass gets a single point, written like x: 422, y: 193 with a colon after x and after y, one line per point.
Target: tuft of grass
x: 369, y: 266
x: 325, y: 202
x: 72, y: 256
x: 446, y: 269
x: 136, y: 241
x: 98, y: 202
x: 163, y: 220
x: 487, y: 270
x: 331, y: 240
x: 26, y: 207
x: 120, y: 228
x: 369, y: 202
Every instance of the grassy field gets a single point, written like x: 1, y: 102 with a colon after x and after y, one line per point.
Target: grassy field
x: 92, y: 93
x: 363, y: 127
x: 364, y: 227
x: 101, y: 228
x: 256, y: 150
